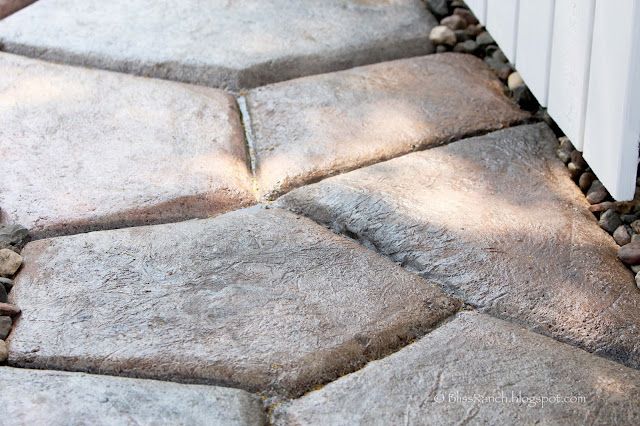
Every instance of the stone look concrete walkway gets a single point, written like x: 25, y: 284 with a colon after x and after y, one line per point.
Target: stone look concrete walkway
x: 244, y: 317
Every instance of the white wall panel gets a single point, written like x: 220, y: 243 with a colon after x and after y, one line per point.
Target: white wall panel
x: 570, y: 61
x: 535, y: 30
x: 502, y: 23
x: 612, y: 126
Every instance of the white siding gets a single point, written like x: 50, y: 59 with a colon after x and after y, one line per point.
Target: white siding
x: 479, y: 8
x: 612, y: 124
x: 535, y: 30
x: 570, y: 60
x: 502, y: 22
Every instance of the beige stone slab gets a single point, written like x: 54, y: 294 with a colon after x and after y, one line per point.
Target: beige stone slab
x: 496, y: 221
x: 31, y: 397
x: 265, y: 301
x: 477, y: 370
x: 84, y: 150
x: 231, y: 44
x: 314, y: 127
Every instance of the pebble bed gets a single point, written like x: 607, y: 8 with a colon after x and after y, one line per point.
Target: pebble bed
x: 460, y: 31
x: 12, y: 239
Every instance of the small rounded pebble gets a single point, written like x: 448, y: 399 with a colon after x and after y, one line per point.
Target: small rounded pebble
x: 467, y: 15
x: 454, y: 22
x: 630, y: 253
x: 474, y: 30
x: 4, y: 352
x: 5, y: 326
x: 514, y: 80
x: 610, y: 221
x: 574, y: 171
x: 597, y: 192
x: 442, y: 35
x: 586, y: 179
x: 638, y: 280
x: 621, y: 235
x: 10, y: 261
x: 484, y: 39
x: 8, y: 309
x: 462, y: 35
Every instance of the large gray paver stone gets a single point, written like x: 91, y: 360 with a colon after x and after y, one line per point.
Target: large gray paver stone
x: 265, y: 301
x: 7, y: 7
x: 32, y: 397
x: 470, y: 371
x: 231, y: 44
x: 84, y: 149
x: 319, y: 126
x: 496, y: 221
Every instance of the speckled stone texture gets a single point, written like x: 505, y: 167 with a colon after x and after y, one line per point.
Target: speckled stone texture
x: 7, y: 7
x: 32, y: 397
x: 230, y: 44
x: 471, y: 371
x: 265, y: 301
x: 84, y: 150
x: 496, y: 221
x: 319, y: 126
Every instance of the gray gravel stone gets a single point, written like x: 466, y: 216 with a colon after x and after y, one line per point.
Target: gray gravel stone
x: 13, y: 235
x: 265, y: 301
x: 438, y: 8
x: 5, y: 326
x: 436, y: 381
x: 495, y: 221
x: 484, y: 39
x: 3, y: 295
x: 6, y: 283
x: 621, y: 235
x: 628, y: 218
x: 228, y: 44
x: 61, y: 398
x: 314, y: 127
x: 103, y: 150
x: 610, y: 221
x: 597, y: 192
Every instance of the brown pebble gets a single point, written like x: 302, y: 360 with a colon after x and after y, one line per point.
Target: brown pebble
x: 621, y: 235
x: 574, y: 170
x: 474, y: 30
x: 602, y: 207
x: 467, y: 15
x: 4, y: 352
x: 578, y: 160
x: 597, y: 192
x: 635, y: 225
x: 9, y: 309
x: 630, y: 253
x: 454, y: 22
x: 586, y: 179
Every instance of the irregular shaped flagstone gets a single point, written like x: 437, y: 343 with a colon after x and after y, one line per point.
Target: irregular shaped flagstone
x: 480, y: 370
x: 230, y: 44
x: 266, y: 301
x: 314, y: 127
x: 496, y: 221
x: 85, y: 150
x: 61, y: 398
x: 7, y: 7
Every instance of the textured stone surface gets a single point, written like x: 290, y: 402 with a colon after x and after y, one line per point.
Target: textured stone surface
x: 497, y: 222
x: 318, y: 126
x: 10, y: 261
x: 265, y: 301
x: 436, y: 380
x: 85, y: 149
x: 60, y: 398
x: 229, y: 44
x: 7, y: 7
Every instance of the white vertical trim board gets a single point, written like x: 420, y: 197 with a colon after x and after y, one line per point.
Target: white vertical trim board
x: 612, y: 125
x: 570, y: 61
x: 479, y: 8
x: 535, y: 31
x: 502, y: 23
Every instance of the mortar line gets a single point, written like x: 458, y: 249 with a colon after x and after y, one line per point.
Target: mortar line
x: 248, y: 137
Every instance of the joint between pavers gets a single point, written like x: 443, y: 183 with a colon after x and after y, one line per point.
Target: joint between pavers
x: 245, y: 119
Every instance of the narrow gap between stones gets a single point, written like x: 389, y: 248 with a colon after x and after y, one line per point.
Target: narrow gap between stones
x: 248, y: 137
